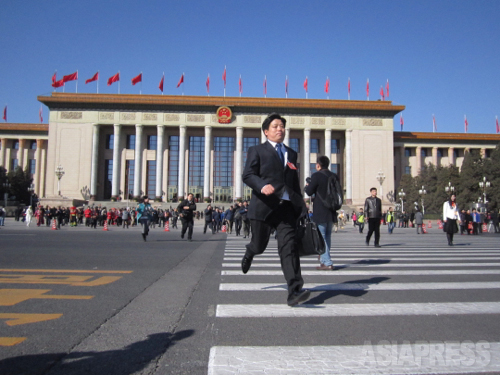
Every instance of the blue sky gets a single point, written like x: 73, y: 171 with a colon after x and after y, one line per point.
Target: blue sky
x: 441, y: 57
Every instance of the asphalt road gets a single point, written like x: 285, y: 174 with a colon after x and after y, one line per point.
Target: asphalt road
x: 84, y: 301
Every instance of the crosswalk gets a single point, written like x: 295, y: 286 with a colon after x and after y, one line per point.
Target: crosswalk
x: 433, y: 290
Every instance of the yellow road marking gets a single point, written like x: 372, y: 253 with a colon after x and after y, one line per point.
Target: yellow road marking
x: 18, y: 319
x: 62, y: 279
x: 11, y: 297
x: 63, y: 271
x: 11, y: 341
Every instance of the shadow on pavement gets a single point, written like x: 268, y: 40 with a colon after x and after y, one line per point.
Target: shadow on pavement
x: 128, y: 360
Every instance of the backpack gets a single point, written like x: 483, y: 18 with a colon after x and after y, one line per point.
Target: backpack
x: 334, y: 194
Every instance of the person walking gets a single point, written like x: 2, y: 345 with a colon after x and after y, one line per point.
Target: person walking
x: 450, y: 218
x: 126, y: 217
x: 186, y: 212
x: 29, y: 216
x: 361, y: 220
x: 390, y: 220
x: 419, y: 221
x: 322, y: 216
x: 373, y: 211
x: 208, y: 218
x: 144, y: 216
x: 276, y: 203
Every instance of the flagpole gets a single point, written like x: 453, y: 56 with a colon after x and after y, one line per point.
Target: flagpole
x: 76, y: 90
x: 225, y: 76
x: 349, y: 88
x: 328, y: 93
x: 163, y: 81
x: 286, y: 87
x: 97, y: 82
x: 118, y: 83
x: 183, y: 79
x: 140, y: 90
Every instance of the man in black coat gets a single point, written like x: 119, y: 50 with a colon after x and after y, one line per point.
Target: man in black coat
x: 373, y: 212
x: 208, y: 218
x: 276, y: 203
x: 322, y: 216
x: 186, y: 209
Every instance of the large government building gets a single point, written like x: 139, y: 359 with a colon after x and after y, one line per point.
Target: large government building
x: 124, y: 146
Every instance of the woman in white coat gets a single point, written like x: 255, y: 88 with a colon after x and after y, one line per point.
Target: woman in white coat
x: 451, y: 215
x: 29, y: 215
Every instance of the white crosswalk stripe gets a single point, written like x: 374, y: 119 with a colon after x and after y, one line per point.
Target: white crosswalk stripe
x: 468, y: 267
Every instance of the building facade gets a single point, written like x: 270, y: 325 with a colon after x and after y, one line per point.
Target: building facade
x: 124, y: 146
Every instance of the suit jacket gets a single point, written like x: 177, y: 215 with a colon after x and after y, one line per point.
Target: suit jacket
x: 264, y: 167
x: 319, y: 185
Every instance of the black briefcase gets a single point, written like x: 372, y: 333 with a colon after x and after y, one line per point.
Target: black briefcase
x: 309, y: 239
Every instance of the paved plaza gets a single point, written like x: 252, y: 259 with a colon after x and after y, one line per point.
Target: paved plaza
x: 85, y: 301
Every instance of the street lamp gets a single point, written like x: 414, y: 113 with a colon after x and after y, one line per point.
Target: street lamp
x: 402, y: 194
x: 422, y: 192
x: 59, y: 174
x: 483, y: 185
x: 6, y: 186
x: 31, y: 189
x: 449, y: 188
x: 380, y: 179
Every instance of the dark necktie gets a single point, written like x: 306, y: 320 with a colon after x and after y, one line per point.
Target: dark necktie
x: 280, y: 153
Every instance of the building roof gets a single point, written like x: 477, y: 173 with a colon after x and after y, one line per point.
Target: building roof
x: 129, y: 102
x: 421, y: 137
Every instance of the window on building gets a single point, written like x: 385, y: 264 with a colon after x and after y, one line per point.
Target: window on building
x: 487, y: 152
x: 173, y: 161
x: 151, y: 179
x: 108, y: 177
x: 314, y: 146
x: 110, y: 140
x: 14, y: 164
x: 455, y: 154
x: 247, y: 143
x: 223, y: 161
x: 196, y: 161
x: 335, y: 146
x: 440, y: 152
x: 312, y: 168
x: 33, y: 145
x: 129, y: 178
x: 423, y: 152
x: 152, y: 142
x: 335, y: 168
x: 407, y: 152
x: 130, y: 141
x: 32, y: 166
x: 294, y: 144
x: 15, y: 145
x: 408, y: 170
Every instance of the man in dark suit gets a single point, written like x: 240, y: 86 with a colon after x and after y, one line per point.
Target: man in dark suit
x: 322, y: 216
x: 276, y: 203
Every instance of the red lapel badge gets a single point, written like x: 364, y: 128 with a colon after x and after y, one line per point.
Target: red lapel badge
x: 291, y: 166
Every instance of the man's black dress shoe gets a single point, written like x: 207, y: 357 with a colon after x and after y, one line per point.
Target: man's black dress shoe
x: 377, y: 245
x: 144, y: 236
x: 246, y: 262
x: 298, y: 297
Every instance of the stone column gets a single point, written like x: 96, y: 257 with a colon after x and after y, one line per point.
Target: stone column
x: 182, y: 161
x: 328, y: 145
x: 348, y: 166
x: 451, y: 156
x: 2, y: 153
x: 43, y: 170
x: 159, y: 161
x: 286, y: 141
x: 239, y: 163
x: 483, y: 152
x: 38, y: 167
x: 115, y: 187
x: 20, y: 154
x: 138, y: 161
x: 307, y: 153
x: 206, y: 163
x: 263, y: 137
x: 94, y: 167
x: 418, y: 154
x: 435, y: 156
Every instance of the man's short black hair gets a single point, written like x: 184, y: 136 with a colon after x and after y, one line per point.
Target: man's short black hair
x: 373, y: 188
x: 323, y: 161
x: 271, y: 118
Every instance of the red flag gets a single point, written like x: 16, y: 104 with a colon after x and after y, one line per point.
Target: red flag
x: 208, y: 84
x: 54, y: 79
x: 387, y: 89
x: 240, y: 85
x: 114, y: 79
x: 382, y: 92
x: 327, y: 85
x: 137, y: 79
x: 71, y: 77
x: 5, y: 113
x: 434, y: 126
x: 367, y: 88
x: 40, y: 114
x: 160, y: 86
x: 265, y: 85
x: 466, y: 123
x: 59, y: 83
x: 498, y: 127
x: 224, y: 77
x: 401, y: 121
x: 181, y: 80
x: 286, y: 86
x: 94, y: 78
x: 349, y: 87
x: 305, y: 85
